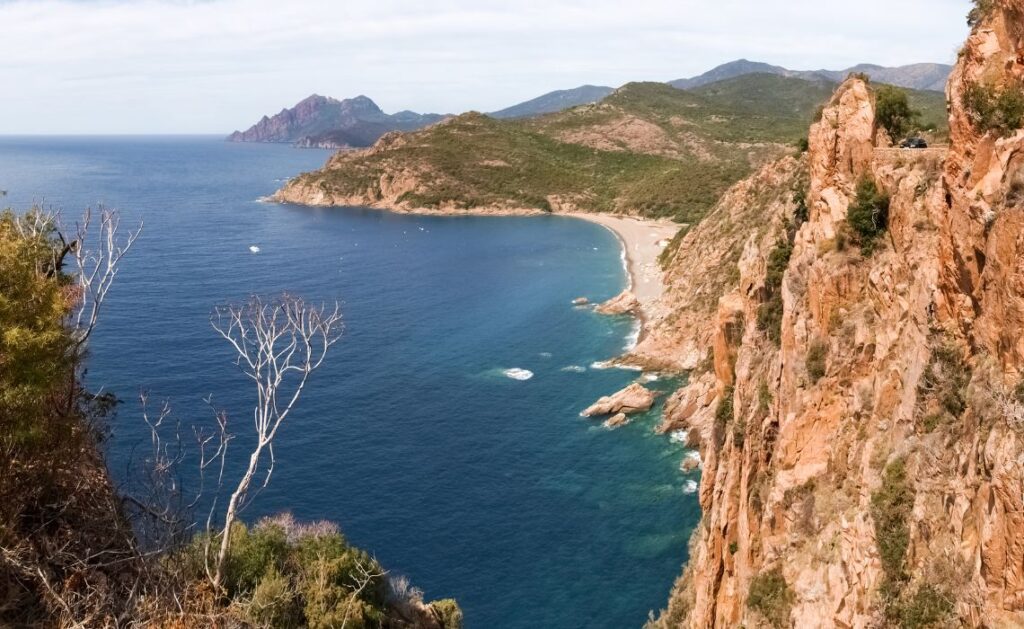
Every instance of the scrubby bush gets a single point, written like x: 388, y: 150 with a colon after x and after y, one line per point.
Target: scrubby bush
x: 980, y: 12
x: 273, y: 602
x: 817, y: 354
x: 282, y: 573
x: 769, y: 313
x: 724, y: 414
x: 926, y: 607
x: 670, y: 250
x: 868, y: 215
x: 448, y: 612
x: 893, y: 111
x: 944, y: 382
x: 891, y: 505
x: 770, y: 596
x: 801, y: 213
x: 254, y: 554
x: 999, y: 110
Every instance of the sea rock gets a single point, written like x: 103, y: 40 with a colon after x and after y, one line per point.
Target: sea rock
x: 623, y: 303
x: 690, y: 462
x: 633, y: 399
x: 580, y: 301
x: 617, y: 420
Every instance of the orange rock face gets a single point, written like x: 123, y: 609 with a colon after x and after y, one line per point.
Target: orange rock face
x: 906, y: 359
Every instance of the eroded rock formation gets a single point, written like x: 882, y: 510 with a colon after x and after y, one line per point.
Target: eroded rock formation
x: 635, y: 398
x: 862, y: 468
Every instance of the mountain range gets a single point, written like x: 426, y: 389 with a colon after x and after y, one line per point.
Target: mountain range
x: 331, y: 123
x: 555, y: 101
x: 324, y: 122
x: 918, y: 76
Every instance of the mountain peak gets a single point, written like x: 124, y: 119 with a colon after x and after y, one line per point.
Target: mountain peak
x: 920, y: 76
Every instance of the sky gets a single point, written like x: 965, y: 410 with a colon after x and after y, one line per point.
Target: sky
x: 213, y: 66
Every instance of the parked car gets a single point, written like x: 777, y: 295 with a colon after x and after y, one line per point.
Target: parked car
x: 913, y: 143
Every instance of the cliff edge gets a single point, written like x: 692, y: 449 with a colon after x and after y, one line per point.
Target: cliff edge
x: 860, y: 413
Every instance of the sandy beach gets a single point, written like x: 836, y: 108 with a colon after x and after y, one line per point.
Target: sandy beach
x: 643, y: 241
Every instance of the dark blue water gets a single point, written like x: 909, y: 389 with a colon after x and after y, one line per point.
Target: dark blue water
x: 490, y: 490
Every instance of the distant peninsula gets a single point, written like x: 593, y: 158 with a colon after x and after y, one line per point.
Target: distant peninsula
x: 324, y: 122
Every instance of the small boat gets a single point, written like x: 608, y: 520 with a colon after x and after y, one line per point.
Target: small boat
x: 254, y: 249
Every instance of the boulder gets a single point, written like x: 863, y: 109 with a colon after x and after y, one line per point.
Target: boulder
x: 623, y: 303
x: 633, y: 399
x: 616, y: 421
x: 580, y: 301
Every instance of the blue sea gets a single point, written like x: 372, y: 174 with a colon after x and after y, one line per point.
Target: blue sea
x: 475, y: 485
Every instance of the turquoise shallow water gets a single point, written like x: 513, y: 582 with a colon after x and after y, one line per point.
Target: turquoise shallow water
x: 474, y: 485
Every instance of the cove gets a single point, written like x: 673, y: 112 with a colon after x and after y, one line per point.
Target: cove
x: 475, y: 485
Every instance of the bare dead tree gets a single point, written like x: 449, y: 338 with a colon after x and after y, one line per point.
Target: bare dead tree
x: 96, y: 266
x: 279, y: 343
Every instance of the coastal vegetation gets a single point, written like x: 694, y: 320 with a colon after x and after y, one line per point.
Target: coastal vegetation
x: 647, y: 148
x: 868, y: 215
x: 995, y: 109
x: 771, y: 597
x: 75, y: 550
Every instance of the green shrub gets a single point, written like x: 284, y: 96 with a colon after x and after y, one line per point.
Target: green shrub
x: 770, y: 596
x: 803, y: 145
x: 733, y: 548
x: 769, y: 313
x: 801, y: 213
x: 273, y: 602
x: 253, y: 554
x: 980, y: 12
x: 764, y: 398
x: 945, y: 380
x: 282, y: 573
x: 670, y: 250
x: 724, y: 414
x: 817, y: 354
x: 448, y: 613
x: 893, y: 112
x: 891, y: 505
x: 994, y: 109
x: 928, y: 606
x: 868, y: 215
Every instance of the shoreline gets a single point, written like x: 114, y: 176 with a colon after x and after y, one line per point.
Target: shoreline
x: 639, y: 239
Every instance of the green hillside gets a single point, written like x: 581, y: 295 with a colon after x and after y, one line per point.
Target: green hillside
x: 647, y: 148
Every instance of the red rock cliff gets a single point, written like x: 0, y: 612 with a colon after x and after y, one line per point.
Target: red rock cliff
x: 869, y: 473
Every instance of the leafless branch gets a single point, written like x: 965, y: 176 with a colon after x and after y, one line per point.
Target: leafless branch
x: 278, y: 344
x: 96, y: 267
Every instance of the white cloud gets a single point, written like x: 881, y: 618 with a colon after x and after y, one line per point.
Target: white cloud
x: 212, y: 66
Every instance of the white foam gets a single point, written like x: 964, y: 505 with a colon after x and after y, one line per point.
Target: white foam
x: 519, y: 374
x: 690, y: 487
x: 575, y: 368
x: 545, y: 354
x: 650, y: 377
x: 693, y: 455
x: 254, y: 249
x: 609, y: 364
x: 678, y: 436
x: 633, y: 336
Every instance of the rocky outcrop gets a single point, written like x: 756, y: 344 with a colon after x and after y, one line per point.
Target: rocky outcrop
x: 623, y: 303
x: 619, y: 419
x: 865, y: 467
x: 635, y: 398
